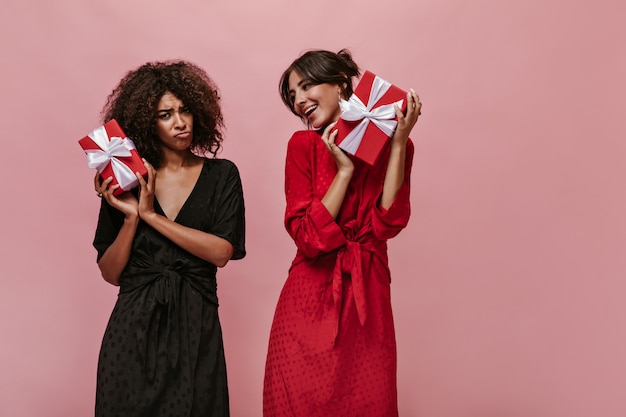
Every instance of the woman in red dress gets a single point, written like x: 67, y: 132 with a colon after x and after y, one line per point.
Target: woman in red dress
x: 332, y: 349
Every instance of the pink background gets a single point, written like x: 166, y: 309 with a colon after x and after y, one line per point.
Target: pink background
x: 508, y: 283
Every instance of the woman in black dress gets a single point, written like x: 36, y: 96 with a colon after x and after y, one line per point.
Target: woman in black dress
x: 162, y: 352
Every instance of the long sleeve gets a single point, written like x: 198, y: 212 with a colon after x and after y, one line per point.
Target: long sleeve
x: 307, y: 220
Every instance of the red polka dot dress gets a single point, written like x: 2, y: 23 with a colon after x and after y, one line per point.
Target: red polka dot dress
x: 332, y: 349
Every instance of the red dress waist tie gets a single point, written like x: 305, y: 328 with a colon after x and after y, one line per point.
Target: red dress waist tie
x: 350, y: 261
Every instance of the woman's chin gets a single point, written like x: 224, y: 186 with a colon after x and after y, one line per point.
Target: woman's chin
x: 321, y: 124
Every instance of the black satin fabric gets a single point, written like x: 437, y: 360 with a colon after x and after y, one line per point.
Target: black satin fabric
x: 162, y: 352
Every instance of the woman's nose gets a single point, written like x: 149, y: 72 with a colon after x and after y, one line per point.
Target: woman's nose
x: 179, y: 120
x: 300, y: 97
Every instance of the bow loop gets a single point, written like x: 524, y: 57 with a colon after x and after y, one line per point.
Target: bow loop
x: 354, y: 110
x: 109, y: 152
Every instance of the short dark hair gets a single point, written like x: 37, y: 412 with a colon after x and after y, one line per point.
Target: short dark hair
x: 318, y: 67
x: 133, y: 103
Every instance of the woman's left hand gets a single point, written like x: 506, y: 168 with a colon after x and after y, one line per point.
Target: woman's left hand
x: 146, y: 191
x: 406, y: 122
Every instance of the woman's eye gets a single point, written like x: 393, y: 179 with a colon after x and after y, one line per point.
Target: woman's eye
x: 185, y: 110
x: 292, y: 98
x: 164, y: 116
x: 306, y: 86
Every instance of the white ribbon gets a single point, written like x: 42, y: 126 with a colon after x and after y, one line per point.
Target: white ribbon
x: 354, y: 109
x: 109, y: 151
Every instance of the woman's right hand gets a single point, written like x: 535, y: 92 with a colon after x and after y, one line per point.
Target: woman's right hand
x: 125, y: 202
x: 343, y: 161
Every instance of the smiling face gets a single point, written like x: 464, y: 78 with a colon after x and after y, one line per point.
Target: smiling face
x: 316, y: 103
x: 174, y: 125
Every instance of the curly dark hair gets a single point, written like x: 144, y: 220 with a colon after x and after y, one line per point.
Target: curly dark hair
x: 319, y: 67
x: 133, y: 103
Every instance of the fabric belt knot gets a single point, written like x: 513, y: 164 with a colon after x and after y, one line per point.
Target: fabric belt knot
x: 350, y: 261
x: 163, y: 290
x: 162, y: 317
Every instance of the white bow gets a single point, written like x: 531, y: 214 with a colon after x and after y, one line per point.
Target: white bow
x: 354, y: 109
x: 109, y: 151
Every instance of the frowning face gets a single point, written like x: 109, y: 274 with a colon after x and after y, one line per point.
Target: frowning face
x: 174, y: 125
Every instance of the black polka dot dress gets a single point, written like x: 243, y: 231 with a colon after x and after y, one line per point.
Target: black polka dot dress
x: 162, y: 353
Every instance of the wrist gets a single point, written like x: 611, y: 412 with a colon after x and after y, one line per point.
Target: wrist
x: 147, y: 216
x: 398, y: 145
x: 131, y: 219
x: 345, y: 172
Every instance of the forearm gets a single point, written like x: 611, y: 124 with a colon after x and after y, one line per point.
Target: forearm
x: 394, y: 176
x: 333, y: 199
x: 114, y: 260
x: 211, y: 248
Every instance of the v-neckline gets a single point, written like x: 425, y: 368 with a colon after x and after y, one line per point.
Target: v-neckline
x: 182, y: 207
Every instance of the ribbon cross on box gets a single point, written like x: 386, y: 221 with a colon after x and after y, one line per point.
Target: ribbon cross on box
x: 368, y: 118
x: 111, y: 153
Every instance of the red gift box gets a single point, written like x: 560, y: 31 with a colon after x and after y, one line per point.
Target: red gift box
x: 368, y: 118
x: 111, y: 153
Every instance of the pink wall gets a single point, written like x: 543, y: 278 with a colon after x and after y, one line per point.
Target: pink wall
x: 508, y: 282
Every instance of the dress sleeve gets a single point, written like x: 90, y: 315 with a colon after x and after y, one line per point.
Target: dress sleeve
x: 230, y: 223
x: 388, y: 223
x: 307, y: 220
x: 110, y: 221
